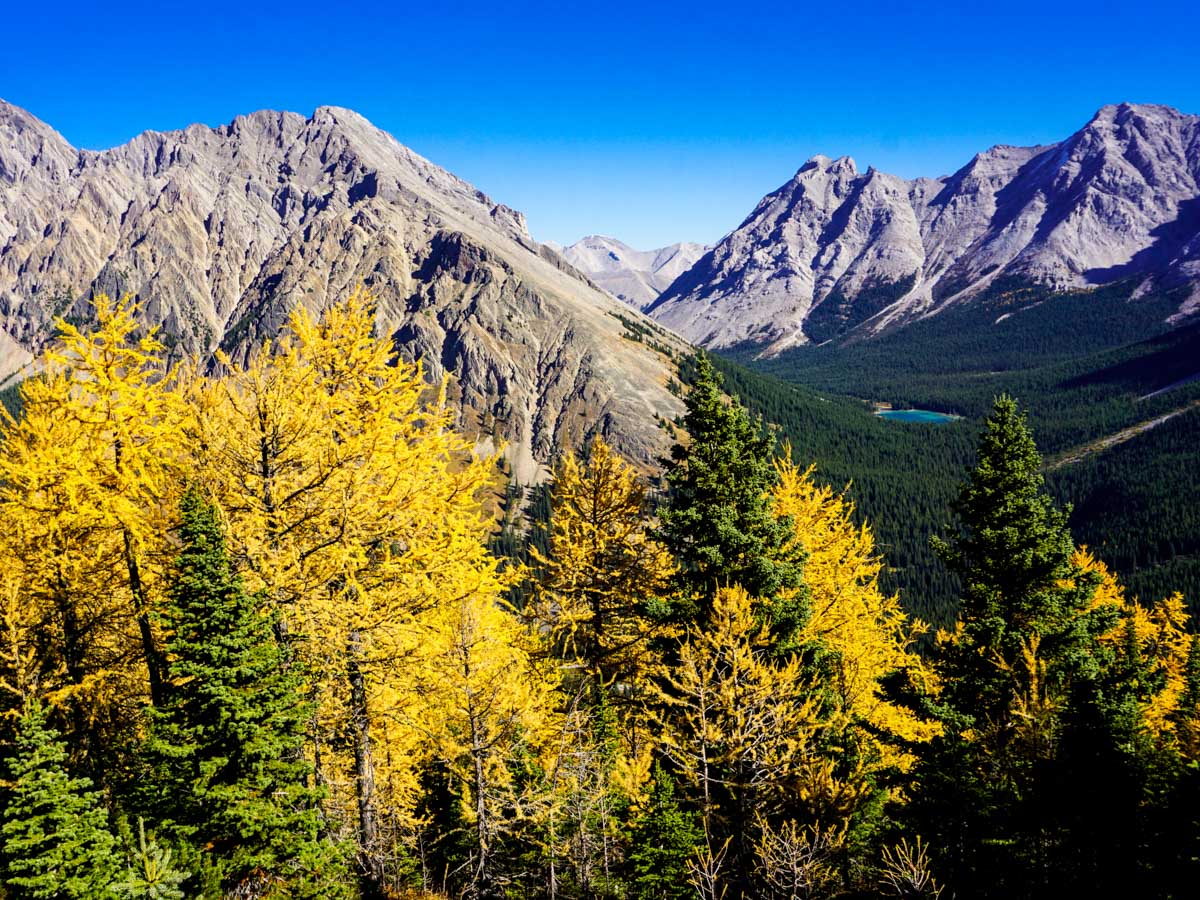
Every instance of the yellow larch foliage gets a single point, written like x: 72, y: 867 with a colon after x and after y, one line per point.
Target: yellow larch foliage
x: 125, y: 406
x: 350, y: 496
x: 18, y: 650
x: 605, y: 576
x: 1163, y: 643
x: 1109, y: 591
x: 738, y: 716
x: 1036, y: 703
x: 85, y: 472
x: 478, y: 705
x: 352, y: 506
x: 868, y: 631
x: 601, y: 597
x: 356, y: 508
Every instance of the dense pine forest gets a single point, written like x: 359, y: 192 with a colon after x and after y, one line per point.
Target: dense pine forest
x: 1086, y: 365
x: 902, y: 477
x: 263, y: 637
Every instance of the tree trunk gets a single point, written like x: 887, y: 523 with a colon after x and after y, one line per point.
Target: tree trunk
x: 364, y: 770
x: 155, y: 664
x: 482, y: 869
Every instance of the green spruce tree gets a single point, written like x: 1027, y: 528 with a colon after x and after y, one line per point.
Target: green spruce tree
x: 664, y: 838
x: 226, y: 745
x: 1012, y: 556
x: 56, y: 840
x: 150, y: 872
x: 1025, y: 653
x: 718, y: 520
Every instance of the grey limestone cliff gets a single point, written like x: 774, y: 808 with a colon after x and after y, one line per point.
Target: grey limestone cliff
x: 835, y: 249
x: 221, y: 232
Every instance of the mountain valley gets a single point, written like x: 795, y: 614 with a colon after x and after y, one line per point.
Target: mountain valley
x: 1065, y: 275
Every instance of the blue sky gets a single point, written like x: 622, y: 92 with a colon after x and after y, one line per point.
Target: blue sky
x: 651, y: 122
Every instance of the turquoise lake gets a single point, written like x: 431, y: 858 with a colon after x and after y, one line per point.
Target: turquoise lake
x: 915, y: 415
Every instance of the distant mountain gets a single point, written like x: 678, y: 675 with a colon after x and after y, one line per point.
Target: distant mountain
x: 836, y: 251
x: 635, y: 276
x: 221, y: 232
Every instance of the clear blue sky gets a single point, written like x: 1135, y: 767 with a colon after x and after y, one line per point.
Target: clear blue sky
x: 652, y: 122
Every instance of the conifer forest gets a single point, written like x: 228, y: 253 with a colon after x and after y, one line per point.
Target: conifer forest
x: 263, y: 634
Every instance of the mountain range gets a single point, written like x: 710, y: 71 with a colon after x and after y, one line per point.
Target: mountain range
x: 1051, y: 273
x: 221, y: 232
x: 635, y: 276
x: 837, y: 253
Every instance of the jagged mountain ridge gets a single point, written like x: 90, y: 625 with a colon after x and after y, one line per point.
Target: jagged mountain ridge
x: 220, y: 232
x: 635, y: 276
x: 835, y: 250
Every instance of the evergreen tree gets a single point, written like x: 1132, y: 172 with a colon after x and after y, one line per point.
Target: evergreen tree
x: 226, y: 743
x: 1026, y: 650
x: 444, y: 834
x: 1012, y: 556
x: 150, y: 873
x: 719, y: 521
x: 56, y: 842
x: 662, y: 842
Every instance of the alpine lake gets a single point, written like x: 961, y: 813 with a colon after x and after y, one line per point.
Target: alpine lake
x: 924, y: 416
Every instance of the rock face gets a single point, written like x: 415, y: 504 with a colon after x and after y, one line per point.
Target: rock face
x: 222, y: 232
x: 635, y: 276
x: 835, y: 250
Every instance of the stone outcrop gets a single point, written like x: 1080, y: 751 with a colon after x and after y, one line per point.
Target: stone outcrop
x: 635, y: 276
x: 836, y: 251
x: 221, y: 232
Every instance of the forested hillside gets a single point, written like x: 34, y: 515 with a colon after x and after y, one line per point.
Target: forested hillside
x: 258, y: 643
x: 1138, y: 506
x: 1087, y: 365
x: 901, y: 477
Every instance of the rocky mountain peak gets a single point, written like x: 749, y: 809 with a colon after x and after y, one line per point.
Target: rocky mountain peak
x: 821, y: 163
x: 844, y: 164
x: 220, y: 232
x: 338, y: 114
x: 821, y: 169
x: 31, y: 149
x: 635, y: 276
x: 833, y: 251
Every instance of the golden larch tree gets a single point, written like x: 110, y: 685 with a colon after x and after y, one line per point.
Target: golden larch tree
x: 87, y: 474
x: 865, y: 632
x: 606, y: 579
